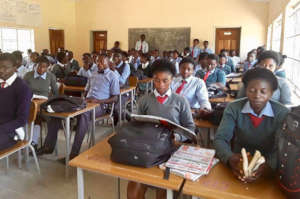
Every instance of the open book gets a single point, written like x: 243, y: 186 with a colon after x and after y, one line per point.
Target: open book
x: 39, y: 97
x: 234, y: 75
x: 160, y: 120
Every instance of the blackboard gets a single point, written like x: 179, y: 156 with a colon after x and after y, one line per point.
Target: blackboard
x: 161, y: 38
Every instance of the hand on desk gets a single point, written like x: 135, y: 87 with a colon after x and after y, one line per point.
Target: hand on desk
x: 91, y: 100
x: 199, y: 113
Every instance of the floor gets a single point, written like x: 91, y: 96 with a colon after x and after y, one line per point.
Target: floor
x: 25, y: 183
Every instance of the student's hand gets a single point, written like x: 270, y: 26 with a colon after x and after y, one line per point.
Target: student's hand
x: 235, y: 162
x: 91, y: 100
x: 255, y: 175
x: 202, y: 112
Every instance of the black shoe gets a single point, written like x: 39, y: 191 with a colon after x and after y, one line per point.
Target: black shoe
x: 43, y: 150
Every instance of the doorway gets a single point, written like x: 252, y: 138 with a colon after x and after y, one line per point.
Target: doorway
x: 57, y: 40
x: 228, y: 38
x: 99, y: 40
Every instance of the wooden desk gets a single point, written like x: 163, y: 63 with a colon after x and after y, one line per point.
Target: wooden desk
x: 67, y: 117
x: 221, y: 183
x: 97, y: 159
x: 123, y: 91
x: 39, y: 102
x: 210, y: 129
x: 222, y: 99
x: 64, y: 88
x: 147, y: 81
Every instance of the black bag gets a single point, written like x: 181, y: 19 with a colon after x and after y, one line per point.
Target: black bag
x: 214, y: 92
x: 289, y: 154
x: 216, y: 115
x: 75, y: 80
x: 64, y: 104
x: 142, y: 144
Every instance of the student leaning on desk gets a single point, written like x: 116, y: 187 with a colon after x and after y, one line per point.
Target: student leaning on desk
x: 252, y: 123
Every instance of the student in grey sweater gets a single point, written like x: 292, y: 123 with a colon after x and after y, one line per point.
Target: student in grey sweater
x: 164, y: 103
x: 252, y: 123
x: 62, y: 68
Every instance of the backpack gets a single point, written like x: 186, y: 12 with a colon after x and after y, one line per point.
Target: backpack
x: 216, y: 115
x: 64, y: 104
x: 214, y: 92
x: 289, y: 154
x: 75, y: 80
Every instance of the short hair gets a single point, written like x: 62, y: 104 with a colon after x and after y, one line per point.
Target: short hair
x: 163, y: 65
x: 43, y: 59
x: 196, y: 40
x: 205, y: 41
x: 60, y: 56
x: 223, y: 51
x: 146, y: 56
x: 143, y: 35
x: 213, y: 57
x: 270, y: 54
x: 70, y: 52
x: 249, y: 53
x: 262, y: 74
x: 203, y: 55
x: 8, y: 57
x: 187, y: 49
x: 117, y: 42
x: 87, y: 54
x: 18, y: 55
x: 124, y: 54
x: 35, y: 53
x: 283, y: 57
x: 261, y: 48
x: 176, y: 51
x: 188, y: 60
x: 222, y: 55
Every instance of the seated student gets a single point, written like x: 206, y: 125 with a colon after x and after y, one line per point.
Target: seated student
x: 235, y: 58
x: 45, y: 53
x: 251, y: 123
x: 186, y: 52
x: 250, y: 62
x: 192, y: 88
x: 260, y: 50
x: 202, y: 63
x: 195, y: 50
x: 15, y: 100
x: 164, y: 103
x: 176, y: 60
x: 270, y: 61
x: 145, y: 66
x: 155, y: 56
x: 121, y: 69
x: 102, y: 88
x: 116, y: 47
x: 211, y: 74
x: 88, y: 67
x: 280, y: 72
x: 21, y: 69
x: 223, y: 66
x: 62, y: 68
x: 135, y: 60
x: 73, y: 62
x: 33, y: 60
x: 94, y: 57
x: 166, y: 55
x: 229, y: 61
x: 206, y: 49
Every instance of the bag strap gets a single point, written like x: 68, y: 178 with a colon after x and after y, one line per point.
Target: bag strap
x: 179, y: 193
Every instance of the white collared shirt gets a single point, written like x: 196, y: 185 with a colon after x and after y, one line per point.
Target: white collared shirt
x: 36, y: 75
x: 267, y: 110
x: 10, y: 80
x: 145, y: 47
x: 21, y: 71
x: 168, y: 93
x: 60, y: 64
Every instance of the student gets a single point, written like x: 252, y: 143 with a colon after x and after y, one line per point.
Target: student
x: 116, y: 47
x: 260, y: 50
x: 195, y: 50
x: 15, y: 100
x: 280, y: 72
x: 26, y: 59
x: 155, y: 55
x: 45, y: 53
x: 21, y: 69
x: 62, y: 68
x: 229, y: 61
x: 250, y: 62
x: 94, y: 57
x: 186, y: 52
x: 88, y: 67
x: 192, y: 88
x: 142, y: 45
x: 163, y: 103
x: 235, y: 58
x: 176, y: 60
x: 102, y: 88
x: 223, y: 66
x: 145, y: 66
x: 251, y: 123
x: 270, y: 61
x: 33, y: 60
x: 211, y: 74
x: 166, y: 55
x: 135, y: 60
x: 121, y: 69
x: 74, y: 63
x: 202, y: 63
x: 206, y: 49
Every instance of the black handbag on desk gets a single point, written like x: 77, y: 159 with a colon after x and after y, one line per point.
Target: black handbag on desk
x: 75, y: 80
x: 64, y: 104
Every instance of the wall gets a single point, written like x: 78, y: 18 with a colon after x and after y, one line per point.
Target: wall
x: 276, y: 7
x: 202, y: 16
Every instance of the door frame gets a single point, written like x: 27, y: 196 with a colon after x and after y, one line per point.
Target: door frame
x: 92, y: 38
x: 215, y: 35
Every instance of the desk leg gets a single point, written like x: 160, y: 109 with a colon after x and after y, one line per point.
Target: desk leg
x: 67, y: 145
x: 80, y: 184
x: 169, y: 194
x: 147, y: 89
x: 93, y: 126
x: 120, y: 111
x: 119, y: 187
x: 132, y: 96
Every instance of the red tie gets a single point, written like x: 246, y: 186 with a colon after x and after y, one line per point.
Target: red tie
x: 179, y: 89
x: 161, y: 99
x: 256, y: 120
x: 206, y: 76
x: 3, y: 84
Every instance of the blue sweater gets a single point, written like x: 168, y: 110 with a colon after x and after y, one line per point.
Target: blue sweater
x: 237, y: 128
x: 15, y: 103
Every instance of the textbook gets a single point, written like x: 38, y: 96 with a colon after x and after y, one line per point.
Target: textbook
x: 234, y: 75
x: 39, y: 97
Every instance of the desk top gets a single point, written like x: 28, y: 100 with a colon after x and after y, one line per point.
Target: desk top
x: 73, y: 88
x: 97, y: 159
x: 146, y: 80
x: 89, y: 107
x: 204, y: 124
x: 127, y: 89
x: 222, y: 99
x: 220, y: 183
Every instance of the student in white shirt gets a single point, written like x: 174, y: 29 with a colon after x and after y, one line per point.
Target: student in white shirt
x: 88, y: 66
x: 176, y: 60
x: 33, y: 60
x: 195, y: 50
x: 206, y: 49
x: 142, y: 45
x: 235, y: 59
x: 21, y: 69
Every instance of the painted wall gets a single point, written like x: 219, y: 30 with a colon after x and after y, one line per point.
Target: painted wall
x: 276, y: 7
x: 202, y: 16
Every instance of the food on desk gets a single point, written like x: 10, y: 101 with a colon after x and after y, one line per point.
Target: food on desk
x: 255, y: 162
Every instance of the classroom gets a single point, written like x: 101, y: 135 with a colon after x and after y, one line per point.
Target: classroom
x: 162, y: 99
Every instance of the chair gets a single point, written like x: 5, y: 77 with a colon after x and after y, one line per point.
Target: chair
x: 26, y: 143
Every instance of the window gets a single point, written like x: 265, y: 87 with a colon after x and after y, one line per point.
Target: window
x: 269, y: 37
x: 277, y: 34
x: 16, y: 39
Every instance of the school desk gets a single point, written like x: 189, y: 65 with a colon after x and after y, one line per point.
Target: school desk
x: 147, y: 81
x: 221, y: 183
x: 97, y: 159
x: 124, y: 91
x: 228, y: 98
x: 67, y: 117
x: 199, y: 123
x: 64, y: 88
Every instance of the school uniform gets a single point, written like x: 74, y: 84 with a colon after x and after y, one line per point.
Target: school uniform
x: 249, y: 65
x: 15, y: 100
x: 207, y: 50
x: 143, y: 46
x: 197, y: 68
x: 242, y: 127
x: 61, y: 70
x: 225, y: 68
x: 145, y: 68
x: 283, y: 94
x: 235, y: 60
x: 195, y: 51
x: 280, y: 73
x: 170, y: 106
x: 100, y: 86
x: 176, y: 62
x: 194, y: 90
x: 122, y: 71
x: 41, y: 84
x: 85, y: 73
x: 74, y: 65
x: 30, y: 66
x: 229, y: 62
x: 211, y: 77
x: 21, y: 71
